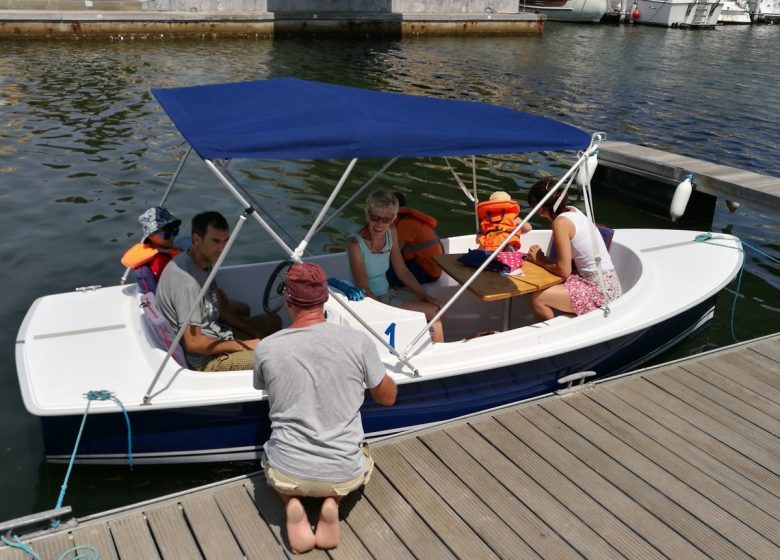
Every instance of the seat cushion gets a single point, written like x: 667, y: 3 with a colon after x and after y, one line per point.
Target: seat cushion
x: 162, y: 331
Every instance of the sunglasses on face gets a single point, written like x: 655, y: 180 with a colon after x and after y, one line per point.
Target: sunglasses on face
x: 167, y: 233
x: 383, y: 219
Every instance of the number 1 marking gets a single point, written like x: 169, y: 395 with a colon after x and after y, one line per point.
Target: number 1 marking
x: 391, y: 333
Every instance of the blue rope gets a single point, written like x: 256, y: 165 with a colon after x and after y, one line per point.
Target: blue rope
x: 704, y: 237
x: 17, y: 543
x: 102, y: 395
x: 92, y: 552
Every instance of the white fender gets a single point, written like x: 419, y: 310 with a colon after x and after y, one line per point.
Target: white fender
x: 586, y: 170
x: 680, y: 199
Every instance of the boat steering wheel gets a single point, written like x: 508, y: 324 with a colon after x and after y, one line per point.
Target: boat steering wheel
x: 272, y: 295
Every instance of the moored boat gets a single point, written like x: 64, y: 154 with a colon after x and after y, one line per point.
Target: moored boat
x: 766, y: 11
x: 106, y: 338
x: 581, y: 11
x: 678, y: 13
x: 735, y: 12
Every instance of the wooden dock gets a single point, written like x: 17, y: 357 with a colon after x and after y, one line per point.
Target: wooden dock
x: 736, y: 185
x: 677, y: 461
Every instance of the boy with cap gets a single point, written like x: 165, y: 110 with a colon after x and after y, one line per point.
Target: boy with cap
x: 160, y: 229
x: 315, y: 374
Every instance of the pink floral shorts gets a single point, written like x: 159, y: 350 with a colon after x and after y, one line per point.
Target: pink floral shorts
x: 585, y: 294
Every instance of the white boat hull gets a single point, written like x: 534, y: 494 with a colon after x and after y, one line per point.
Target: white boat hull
x: 735, y: 12
x: 583, y: 11
x: 679, y: 13
x: 73, y: 343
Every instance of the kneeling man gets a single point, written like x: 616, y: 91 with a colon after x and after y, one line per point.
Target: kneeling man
x: 316, y: 374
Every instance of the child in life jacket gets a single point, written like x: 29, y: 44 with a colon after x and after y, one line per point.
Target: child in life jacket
x: 160, y: 229
x: 498, y: 217
x: 419, y: 243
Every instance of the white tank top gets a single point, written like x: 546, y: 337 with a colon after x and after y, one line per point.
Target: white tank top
x: 582, y: 245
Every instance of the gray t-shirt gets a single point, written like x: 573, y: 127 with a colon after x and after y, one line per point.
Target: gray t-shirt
x: 316, y: 379
x: 177, y: 293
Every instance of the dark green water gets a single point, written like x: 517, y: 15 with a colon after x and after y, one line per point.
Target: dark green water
x: 84, y: 149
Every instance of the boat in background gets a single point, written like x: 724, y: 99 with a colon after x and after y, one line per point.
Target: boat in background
x: 581, y: 11
x: 766, y: 11
x: 678, y: 13
x: 735, y: 12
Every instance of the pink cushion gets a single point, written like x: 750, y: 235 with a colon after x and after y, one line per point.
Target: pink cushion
x: 162, y: 331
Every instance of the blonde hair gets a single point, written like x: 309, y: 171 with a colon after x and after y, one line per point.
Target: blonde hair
x: 380, y: 200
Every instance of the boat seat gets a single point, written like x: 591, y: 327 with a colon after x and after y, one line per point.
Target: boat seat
x: 399, y: 326
x: 145, y: 280
x: 162, y: 331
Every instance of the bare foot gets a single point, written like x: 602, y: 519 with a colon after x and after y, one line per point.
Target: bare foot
x: 298, y: 529
x: 327, y: 533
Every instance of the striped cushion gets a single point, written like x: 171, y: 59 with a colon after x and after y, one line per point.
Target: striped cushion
x: 162, y: 331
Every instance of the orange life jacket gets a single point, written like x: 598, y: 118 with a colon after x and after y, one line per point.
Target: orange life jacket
x: 425, y: 245
x: 496, y: 222
x: 141, y: 253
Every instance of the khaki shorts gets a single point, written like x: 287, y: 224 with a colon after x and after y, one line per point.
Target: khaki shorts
x: 293, y: 486
x: 243, y: 359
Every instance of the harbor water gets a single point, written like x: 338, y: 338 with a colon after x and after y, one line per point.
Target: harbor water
x: 85, y: 148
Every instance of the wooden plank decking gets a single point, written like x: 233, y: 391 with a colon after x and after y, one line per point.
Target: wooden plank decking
x: 680, y: 461
x: 762, y: 191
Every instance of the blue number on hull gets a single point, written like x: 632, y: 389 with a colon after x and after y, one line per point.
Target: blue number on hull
x: 390, y: 331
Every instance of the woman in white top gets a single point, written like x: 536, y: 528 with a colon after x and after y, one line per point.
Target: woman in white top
x: 582, y: 291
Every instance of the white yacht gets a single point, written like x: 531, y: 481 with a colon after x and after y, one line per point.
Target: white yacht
x: 735, y: 12
x: 766, y: 11
x: 582, y: 11
x: 678, y: 13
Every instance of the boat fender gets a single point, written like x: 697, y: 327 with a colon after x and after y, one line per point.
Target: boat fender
x: 680, y: 199
x: 635, y: 13
x: 587, y: 169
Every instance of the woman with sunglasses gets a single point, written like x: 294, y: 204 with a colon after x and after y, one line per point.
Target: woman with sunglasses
x: 160, y: 229
x: 374, y: 249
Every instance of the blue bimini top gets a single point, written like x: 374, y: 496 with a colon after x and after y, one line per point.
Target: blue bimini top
x: 288, y: 118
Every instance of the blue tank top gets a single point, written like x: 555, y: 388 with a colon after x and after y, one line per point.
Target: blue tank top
x: 376, y: 263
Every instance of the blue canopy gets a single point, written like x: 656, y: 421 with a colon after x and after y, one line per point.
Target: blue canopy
x: 288, y: 118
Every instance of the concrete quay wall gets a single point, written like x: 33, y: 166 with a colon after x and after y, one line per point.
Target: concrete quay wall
x: 263, y: 6
x: 321, y: 6
x: 159, y: 19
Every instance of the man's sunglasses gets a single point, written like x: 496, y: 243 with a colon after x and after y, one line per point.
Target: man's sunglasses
x: 383, y: 219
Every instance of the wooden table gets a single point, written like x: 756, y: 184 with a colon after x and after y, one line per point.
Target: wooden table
x: 492, y: 286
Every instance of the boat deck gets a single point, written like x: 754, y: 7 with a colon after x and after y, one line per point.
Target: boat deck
x: 676, y: 461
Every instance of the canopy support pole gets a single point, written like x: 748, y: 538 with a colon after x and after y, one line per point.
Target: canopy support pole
x: 500, y: 248
x: 475, y: 199
x: 239, y: 224
x: 123, y: 280
x: 176, y: 175
x: 235, y: 189
x: 356, y: 193
x: 328, y: 203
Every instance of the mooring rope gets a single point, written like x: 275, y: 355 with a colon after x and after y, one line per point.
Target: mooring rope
x: 708, y: 237
x: 101, y: 395
x: 91, y: 552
